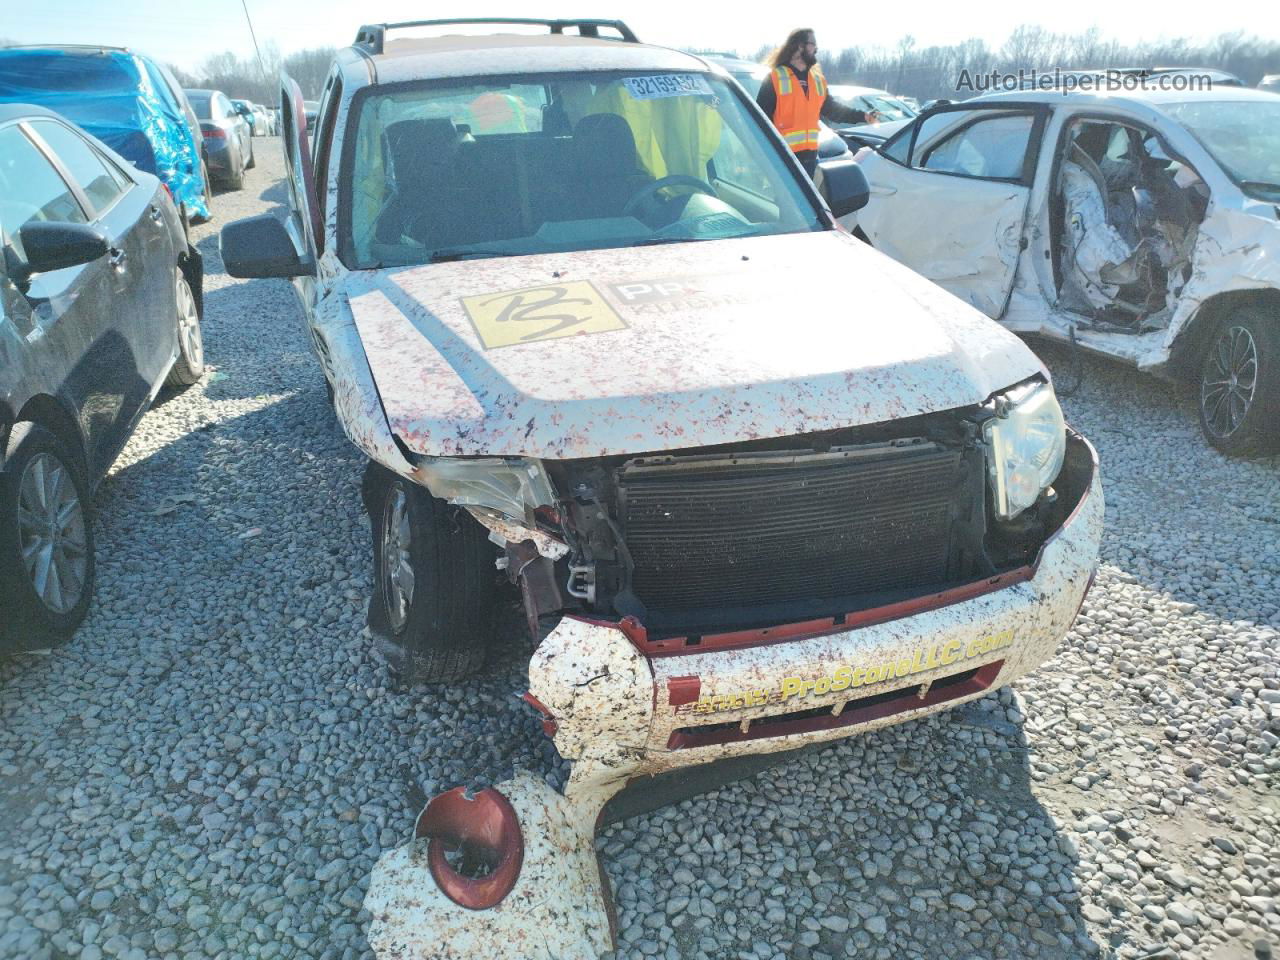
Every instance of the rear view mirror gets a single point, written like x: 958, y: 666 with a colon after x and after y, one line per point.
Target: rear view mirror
x: 55, y: 246
x: 261, y: 247
x: 845, y: 186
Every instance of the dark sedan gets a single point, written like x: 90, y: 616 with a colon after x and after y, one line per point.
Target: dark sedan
x: 228, y: 138
x: 99, y: 307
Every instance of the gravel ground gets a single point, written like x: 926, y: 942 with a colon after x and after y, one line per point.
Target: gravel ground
x: 213, y: 764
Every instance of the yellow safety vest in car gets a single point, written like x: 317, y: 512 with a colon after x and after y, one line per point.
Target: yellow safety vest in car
x: 796, y: 115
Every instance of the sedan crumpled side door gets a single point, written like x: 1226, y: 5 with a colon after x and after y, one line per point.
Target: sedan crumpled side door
x: 949, y: 196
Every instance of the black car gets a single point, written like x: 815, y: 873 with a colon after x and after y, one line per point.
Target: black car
x: 100, y: 298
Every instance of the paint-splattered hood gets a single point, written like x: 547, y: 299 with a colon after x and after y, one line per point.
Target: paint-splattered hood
x: 666, y: 347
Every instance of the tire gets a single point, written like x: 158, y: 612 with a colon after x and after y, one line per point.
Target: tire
x: 253, y: 162
x: 442, y: 631
x: 1239, y: 389
x: 42, y: 604
x: 235, y: 180
x: 189, y: 367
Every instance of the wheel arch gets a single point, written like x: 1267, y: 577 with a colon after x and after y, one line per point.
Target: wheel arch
x: 192, y: 266
x: 54, y: 415
x: 1188, y: 349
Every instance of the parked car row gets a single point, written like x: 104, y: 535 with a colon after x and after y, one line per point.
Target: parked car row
x: 190, y: 139
x: 261, y: 120
x: 100, y: 303
x: 128, y: 101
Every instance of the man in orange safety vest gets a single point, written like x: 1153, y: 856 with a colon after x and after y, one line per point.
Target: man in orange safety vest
x: 794, y: 96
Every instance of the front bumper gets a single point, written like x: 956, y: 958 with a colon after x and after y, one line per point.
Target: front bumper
x: 611, y: 702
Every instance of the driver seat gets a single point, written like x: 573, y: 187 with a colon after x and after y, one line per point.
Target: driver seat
x: 604, y: 167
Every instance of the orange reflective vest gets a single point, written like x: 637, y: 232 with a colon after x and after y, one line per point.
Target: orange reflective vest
x: 796, y: 115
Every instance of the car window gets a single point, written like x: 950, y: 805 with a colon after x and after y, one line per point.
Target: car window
x: 201, y: 104
x: 84, y: 164
x: 30, y: 188
x: 989, y: 147
x: 329, y: 104
x: 899, y: 146
x: 447, y: 169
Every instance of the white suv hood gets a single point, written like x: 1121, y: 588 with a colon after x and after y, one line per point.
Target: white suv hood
x: 678, y: 346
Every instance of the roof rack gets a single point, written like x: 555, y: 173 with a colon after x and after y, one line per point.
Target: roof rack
x: 372, y: 37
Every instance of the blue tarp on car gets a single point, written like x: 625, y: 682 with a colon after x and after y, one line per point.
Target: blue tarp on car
x: 122, y: 100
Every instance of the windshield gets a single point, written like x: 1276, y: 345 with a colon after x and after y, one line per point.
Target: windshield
x: 1242, y: 135
x: 501, y: 167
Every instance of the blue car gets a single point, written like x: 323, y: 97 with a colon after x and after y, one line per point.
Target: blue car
x: 128, y: 101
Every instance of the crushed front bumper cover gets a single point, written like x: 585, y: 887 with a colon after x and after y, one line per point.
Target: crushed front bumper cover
x: 622, y: 711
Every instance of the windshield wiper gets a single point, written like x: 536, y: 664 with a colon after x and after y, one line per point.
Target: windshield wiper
x: 655, y: 241
x: 1260, y: 184
x: 446, y: 256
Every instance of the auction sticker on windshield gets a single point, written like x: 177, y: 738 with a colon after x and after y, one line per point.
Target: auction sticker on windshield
x: 666, y: 85
x: 540, y: 313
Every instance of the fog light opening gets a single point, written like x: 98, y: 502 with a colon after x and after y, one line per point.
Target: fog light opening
x: 474, y: 846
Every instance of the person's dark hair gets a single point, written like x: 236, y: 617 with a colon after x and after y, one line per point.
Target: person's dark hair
x: 795, y: 40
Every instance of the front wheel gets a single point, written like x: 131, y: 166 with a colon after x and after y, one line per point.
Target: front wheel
x: 46, y: 541
x: 435, y: 581
x: 1240, y: 384
x: 252, y: 160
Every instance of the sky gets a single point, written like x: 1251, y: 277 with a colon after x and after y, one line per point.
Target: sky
x: 185, y: 32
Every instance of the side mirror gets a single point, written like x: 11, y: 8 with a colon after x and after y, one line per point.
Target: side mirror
x: 261, y: 247
x: 845, y: 186
x: 55, y: 246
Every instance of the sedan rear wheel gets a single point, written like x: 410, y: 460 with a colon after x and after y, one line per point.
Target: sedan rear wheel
x: 189, y: 367
x: 1240, y: 385
x: 46, y: 541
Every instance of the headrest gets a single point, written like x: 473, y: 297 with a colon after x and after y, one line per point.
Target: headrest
x: 603, y: 146
x: 421, y: 143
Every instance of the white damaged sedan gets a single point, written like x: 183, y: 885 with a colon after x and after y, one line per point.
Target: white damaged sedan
x: 1143, y: 225
x: 572, y: 314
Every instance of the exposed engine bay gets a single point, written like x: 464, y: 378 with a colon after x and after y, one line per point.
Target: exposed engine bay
x: 745, y: 536
x: 1126, y: 216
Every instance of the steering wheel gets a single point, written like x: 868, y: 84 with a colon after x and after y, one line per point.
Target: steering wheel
x: 650, y: 190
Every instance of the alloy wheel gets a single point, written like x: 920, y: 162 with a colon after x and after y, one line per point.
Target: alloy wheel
x: 51, y: 533
x: 1230, y: 381
x: 397, y: 566
x: 191, y: 341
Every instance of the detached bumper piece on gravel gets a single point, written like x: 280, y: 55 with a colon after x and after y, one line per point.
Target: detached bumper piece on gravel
x: 511, y: 872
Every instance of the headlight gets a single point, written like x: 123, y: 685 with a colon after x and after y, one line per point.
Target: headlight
x: 1026, y: 439
x: 513, y: 487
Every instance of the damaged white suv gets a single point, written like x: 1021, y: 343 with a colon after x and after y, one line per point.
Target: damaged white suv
x: 569, y: 311
x: 1143, y: 225
x: 566, y: 293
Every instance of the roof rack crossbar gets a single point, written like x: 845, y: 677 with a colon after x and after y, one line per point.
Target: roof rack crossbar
x: 373, y: 36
